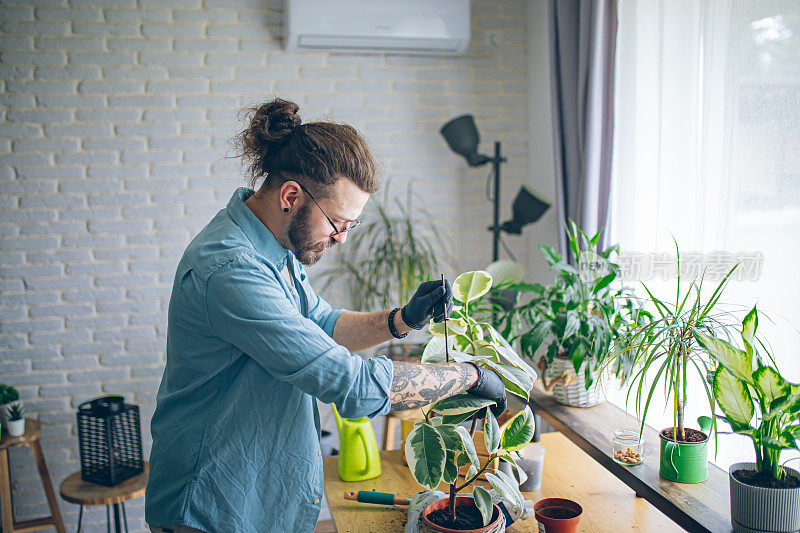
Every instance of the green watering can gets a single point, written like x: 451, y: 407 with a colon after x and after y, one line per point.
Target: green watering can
x: 686, y: 462
x: 358, y: 450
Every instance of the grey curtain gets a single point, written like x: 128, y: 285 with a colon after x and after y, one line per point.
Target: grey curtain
x: 582, y: 46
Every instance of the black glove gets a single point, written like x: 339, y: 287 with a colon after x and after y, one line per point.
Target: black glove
x: 427, y: 302
x: 489, y: 386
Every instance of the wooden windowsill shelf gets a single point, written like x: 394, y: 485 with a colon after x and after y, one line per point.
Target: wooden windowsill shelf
x: 698, y: 507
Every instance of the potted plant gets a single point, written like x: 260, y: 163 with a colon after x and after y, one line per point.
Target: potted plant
x: 386, y: 258
x: 438, y: 447
x: 16, y: 420
x: 663, y: 351
x: 9, y: 396
x: 578, y: 316
x: 765, y: 496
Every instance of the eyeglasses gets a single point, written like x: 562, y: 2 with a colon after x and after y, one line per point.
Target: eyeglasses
x: 336, y: 231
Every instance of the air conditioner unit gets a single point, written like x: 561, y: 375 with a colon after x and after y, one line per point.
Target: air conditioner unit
x: 393, y: 26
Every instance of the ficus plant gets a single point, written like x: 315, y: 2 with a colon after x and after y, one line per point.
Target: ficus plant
x: 742, y: 380
x: 437, y: 447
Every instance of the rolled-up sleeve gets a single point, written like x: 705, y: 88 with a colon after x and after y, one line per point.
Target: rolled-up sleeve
x: 247, y: 307
x: 320, y: 311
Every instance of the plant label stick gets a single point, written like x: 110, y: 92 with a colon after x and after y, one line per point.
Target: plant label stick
x: 446, y: 349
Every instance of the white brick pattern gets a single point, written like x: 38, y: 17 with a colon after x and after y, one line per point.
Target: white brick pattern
x: 115, y: 117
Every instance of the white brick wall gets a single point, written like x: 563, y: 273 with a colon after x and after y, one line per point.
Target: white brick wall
x: 115, y: 120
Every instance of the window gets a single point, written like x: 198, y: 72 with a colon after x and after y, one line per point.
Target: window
x: 707, y: 148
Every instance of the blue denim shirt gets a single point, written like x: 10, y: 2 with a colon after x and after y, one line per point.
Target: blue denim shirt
x: 236, y: 427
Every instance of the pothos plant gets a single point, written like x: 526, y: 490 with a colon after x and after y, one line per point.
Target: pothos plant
x: 744, y: 379
x: 580, y: 314
x: 437, y: 447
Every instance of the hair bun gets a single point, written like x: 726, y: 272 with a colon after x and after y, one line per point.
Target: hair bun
x: 275, y: 121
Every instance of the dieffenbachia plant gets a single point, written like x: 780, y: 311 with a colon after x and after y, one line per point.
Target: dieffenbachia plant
x: 742, y: 380
x: 438, y: 447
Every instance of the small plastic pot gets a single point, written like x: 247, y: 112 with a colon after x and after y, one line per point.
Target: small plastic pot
x: 558, y: 515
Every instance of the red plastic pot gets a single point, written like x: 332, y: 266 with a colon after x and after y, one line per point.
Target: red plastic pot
x: 558, y: 515
x: 497, y: 524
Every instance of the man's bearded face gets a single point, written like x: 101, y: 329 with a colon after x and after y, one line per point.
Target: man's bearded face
x: 306, y: 247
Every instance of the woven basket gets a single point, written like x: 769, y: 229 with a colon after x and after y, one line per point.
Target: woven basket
x: 576, y: 394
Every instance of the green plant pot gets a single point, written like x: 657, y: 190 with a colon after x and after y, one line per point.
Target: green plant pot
x: 684, y: 462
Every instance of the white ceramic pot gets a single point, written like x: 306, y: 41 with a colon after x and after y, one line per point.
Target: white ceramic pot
x: 576, y: 394
x: 4, y: 411
x: 762, y: 509
x: 16, y: 427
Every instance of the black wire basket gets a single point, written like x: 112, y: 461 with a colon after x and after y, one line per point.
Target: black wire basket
x: 110, y: 440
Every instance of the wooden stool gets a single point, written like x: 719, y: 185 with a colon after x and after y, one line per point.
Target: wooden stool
x: 30, y: 439
x: 75, y: 490
x: 406, y: 419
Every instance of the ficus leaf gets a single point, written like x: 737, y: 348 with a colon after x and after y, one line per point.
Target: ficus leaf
x: 425, y: 454
x: 518, y: 432
x: 483, y: 502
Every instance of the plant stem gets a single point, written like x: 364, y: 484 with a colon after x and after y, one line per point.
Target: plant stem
x: 474, y: 424
x: 452, y: 502
x: 492, y: 457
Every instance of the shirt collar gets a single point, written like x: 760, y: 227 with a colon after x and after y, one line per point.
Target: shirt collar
x: 259, y: 235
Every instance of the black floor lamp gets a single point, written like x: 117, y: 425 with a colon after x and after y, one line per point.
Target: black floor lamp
x: 462, y: 136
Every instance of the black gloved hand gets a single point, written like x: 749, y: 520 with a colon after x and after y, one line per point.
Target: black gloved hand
x: 489, y: 386
x: 427, y: 302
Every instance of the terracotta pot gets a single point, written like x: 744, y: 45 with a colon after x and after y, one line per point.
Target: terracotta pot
x: 557, y: 515
x: 497, y: 525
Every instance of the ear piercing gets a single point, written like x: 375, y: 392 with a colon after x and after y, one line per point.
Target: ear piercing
x: 285, y: 209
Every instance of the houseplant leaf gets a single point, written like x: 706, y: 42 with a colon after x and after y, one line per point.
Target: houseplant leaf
x: 454, y: 325
x: 468, y: 444
x: 460, y: 404
x: 736, y: 361
x: 451, y: 439
x: 425, y: 454
x: 450, y: 472
x: 491, y: 432
x: 550, y: 255
x: 516, y: 381
x: 483, y: 502
x: 770, y: 383
x: 749, y: 326
x: 471, y: 285
x: 518, y: 431
x: 732, y: 396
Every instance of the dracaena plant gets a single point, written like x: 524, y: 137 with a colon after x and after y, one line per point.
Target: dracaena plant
x: 662, y: 348
x: 741, y: 381
x: 438, y: 446
x: 580, y: 314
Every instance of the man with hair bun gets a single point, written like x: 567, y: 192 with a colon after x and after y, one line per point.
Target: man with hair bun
x: 250, y: 345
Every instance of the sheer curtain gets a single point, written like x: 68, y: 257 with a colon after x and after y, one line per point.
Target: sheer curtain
x: 707, y: 150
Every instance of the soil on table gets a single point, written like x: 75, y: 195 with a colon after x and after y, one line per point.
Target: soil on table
x: 467, y: 517
x: 764, y: 479
x: 692, y: 435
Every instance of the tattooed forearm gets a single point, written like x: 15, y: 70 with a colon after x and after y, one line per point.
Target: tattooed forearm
x: 416, y: 385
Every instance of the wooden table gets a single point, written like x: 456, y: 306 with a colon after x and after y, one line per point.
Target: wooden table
x: 608, y: 504
x: 696, y: 507
x: 29, y: 439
